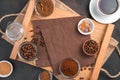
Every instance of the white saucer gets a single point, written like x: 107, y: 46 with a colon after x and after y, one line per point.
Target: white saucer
x: 106, y: 19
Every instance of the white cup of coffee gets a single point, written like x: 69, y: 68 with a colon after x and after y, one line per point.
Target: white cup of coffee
x: 108, y: 7
x: 6, y: 68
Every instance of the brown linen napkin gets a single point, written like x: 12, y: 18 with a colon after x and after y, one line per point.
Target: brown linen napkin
x: 63, y: 40
x: 43, y: 60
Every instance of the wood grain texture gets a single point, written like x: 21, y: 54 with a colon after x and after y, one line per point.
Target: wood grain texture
x: 61, y: 11
x: 25, y: 23
x: 102, y: 52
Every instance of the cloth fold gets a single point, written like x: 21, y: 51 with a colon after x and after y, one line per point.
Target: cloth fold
x: 63, y: 40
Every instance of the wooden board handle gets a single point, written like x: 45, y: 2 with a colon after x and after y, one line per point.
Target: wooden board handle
x: 25, y: 23
x: 102, y: 52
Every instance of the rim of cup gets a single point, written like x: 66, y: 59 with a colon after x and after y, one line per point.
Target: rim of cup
x: 21, y: 44
x: 10, y: 70
x: 118, y: 7
x: 35, y: 8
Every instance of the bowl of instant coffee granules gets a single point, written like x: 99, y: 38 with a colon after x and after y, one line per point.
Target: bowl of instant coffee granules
x: 90, y: 47
x: 27, y: 51
x: 44, y: 7
x: 85, y: 26
x: 69, y: 68
x: 6, y: 68
x: 45, y: 75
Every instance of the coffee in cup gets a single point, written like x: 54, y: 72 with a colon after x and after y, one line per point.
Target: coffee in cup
x: 5, y: 68
x: 107, y: 6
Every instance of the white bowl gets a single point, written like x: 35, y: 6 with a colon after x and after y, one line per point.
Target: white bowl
x: 90, y: 23
x: 10, y: 70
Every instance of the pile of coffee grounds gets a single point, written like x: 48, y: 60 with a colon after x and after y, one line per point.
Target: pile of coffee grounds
x: 45, y: 7
x: 5, y: 68
x: 69, y: 67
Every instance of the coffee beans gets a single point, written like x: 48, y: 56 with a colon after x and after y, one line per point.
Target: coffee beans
x: 28, y: 51
x: 90, y: 47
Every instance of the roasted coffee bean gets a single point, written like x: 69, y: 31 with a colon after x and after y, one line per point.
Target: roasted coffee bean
x: 28, y: 51
x: 90, y: 47
x: 34, y: 40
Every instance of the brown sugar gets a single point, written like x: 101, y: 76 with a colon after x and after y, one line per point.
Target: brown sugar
x: 5, y: 68
x: 45, y: 7
x: 85, y: 26
x: 69, y: 67
x: 45, y: 75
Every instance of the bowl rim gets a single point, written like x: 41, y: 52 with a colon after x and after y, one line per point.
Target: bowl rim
x: 78, y: 64
x: 17, y: 25
x: 88, y: 53
x: 98, y: 9
x: 21, y: 44
x: 91, y: 22
x: 10, y: 70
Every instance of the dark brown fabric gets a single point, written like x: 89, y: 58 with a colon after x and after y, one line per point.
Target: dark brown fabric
x: 43, y: 59
x: 63, y: 40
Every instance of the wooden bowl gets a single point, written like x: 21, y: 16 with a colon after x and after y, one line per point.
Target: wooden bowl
x: 90, y: 47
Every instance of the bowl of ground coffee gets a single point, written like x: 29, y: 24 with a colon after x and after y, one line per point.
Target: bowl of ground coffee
x: 44, y: 7
x: 45, y: 75
x: 90, y: 47
x: 27, y: 51
x: 6, y: 68
x: 69, y: 68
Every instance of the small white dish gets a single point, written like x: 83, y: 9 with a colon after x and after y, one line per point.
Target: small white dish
x: 89, y: 22
x: 11, y: 68
x: 103, y: 18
